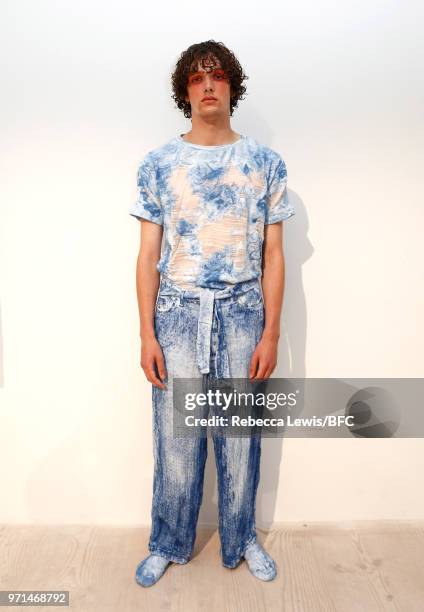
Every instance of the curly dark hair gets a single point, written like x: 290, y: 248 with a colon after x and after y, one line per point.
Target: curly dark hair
x: 187, y: 62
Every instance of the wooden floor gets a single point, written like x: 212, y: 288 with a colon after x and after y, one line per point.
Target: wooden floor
x: 362, y: 567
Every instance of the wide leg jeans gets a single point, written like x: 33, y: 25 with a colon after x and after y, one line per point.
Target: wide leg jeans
x: 204, y: 334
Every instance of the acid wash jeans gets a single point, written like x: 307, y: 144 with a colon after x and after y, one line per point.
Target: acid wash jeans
x: 204, y: 333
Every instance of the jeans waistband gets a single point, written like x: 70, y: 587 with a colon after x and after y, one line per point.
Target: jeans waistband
x: 207, y: 297
x: 168, y: 287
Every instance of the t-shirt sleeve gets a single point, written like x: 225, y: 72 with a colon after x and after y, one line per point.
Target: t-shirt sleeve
x: 278, y: 207
x: 147, y: 206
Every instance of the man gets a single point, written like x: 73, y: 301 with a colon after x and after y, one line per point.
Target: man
x: 220, y: 199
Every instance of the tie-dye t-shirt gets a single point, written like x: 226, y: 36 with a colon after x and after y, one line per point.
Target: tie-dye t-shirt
x: 213, y: 203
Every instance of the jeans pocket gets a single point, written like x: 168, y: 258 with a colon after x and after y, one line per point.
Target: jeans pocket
x: 251, y: 300
x: 166, y: 318
x: 164, y: 303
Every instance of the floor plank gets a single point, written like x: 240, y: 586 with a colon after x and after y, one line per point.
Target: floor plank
x: 348, y: 567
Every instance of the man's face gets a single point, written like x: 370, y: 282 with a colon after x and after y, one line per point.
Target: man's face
x: 208, y: 79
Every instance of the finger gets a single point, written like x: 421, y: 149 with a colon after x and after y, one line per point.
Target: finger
x: 151, y: 376
x: 267, y: 373
x: 272, y: 368
x: 263, y: 366
x: 253, y: 365
x: 160, y: 366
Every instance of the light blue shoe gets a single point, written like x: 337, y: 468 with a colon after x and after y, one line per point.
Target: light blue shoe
x: 150, y: 570
x: 259, y: 562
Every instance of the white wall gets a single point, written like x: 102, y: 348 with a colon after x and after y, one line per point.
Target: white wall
x: 336, y: 87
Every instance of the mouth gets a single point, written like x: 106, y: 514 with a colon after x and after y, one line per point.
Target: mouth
x: 208, y: 99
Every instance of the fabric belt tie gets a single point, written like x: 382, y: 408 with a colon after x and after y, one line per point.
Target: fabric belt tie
x: 207, y: 299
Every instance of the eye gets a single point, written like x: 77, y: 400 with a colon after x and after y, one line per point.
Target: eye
x: 195, y: 79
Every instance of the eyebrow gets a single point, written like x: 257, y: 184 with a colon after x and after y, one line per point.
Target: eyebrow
x: 206, y: 71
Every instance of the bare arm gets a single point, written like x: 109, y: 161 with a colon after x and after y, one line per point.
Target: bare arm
x: 264, y: 358
x: 147, y: 283
x: 273, y: 278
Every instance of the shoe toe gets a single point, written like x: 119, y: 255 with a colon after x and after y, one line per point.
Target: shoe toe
x: 142, y: 577
x: 266, y: 574
x: 145, y: 580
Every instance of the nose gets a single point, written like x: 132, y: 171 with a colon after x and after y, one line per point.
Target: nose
x: 208, y: 82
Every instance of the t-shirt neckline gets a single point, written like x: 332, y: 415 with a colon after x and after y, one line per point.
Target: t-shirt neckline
x: 209, y: 147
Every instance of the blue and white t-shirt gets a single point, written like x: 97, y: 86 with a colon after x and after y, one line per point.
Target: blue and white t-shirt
x: 213, y: 203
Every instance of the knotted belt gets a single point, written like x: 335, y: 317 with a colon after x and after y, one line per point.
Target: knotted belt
x: 207, y: 297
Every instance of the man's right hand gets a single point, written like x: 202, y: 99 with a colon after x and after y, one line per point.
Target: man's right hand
x: 152, y: 362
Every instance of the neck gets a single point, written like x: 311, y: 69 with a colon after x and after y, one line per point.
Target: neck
x: 210, y: 134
